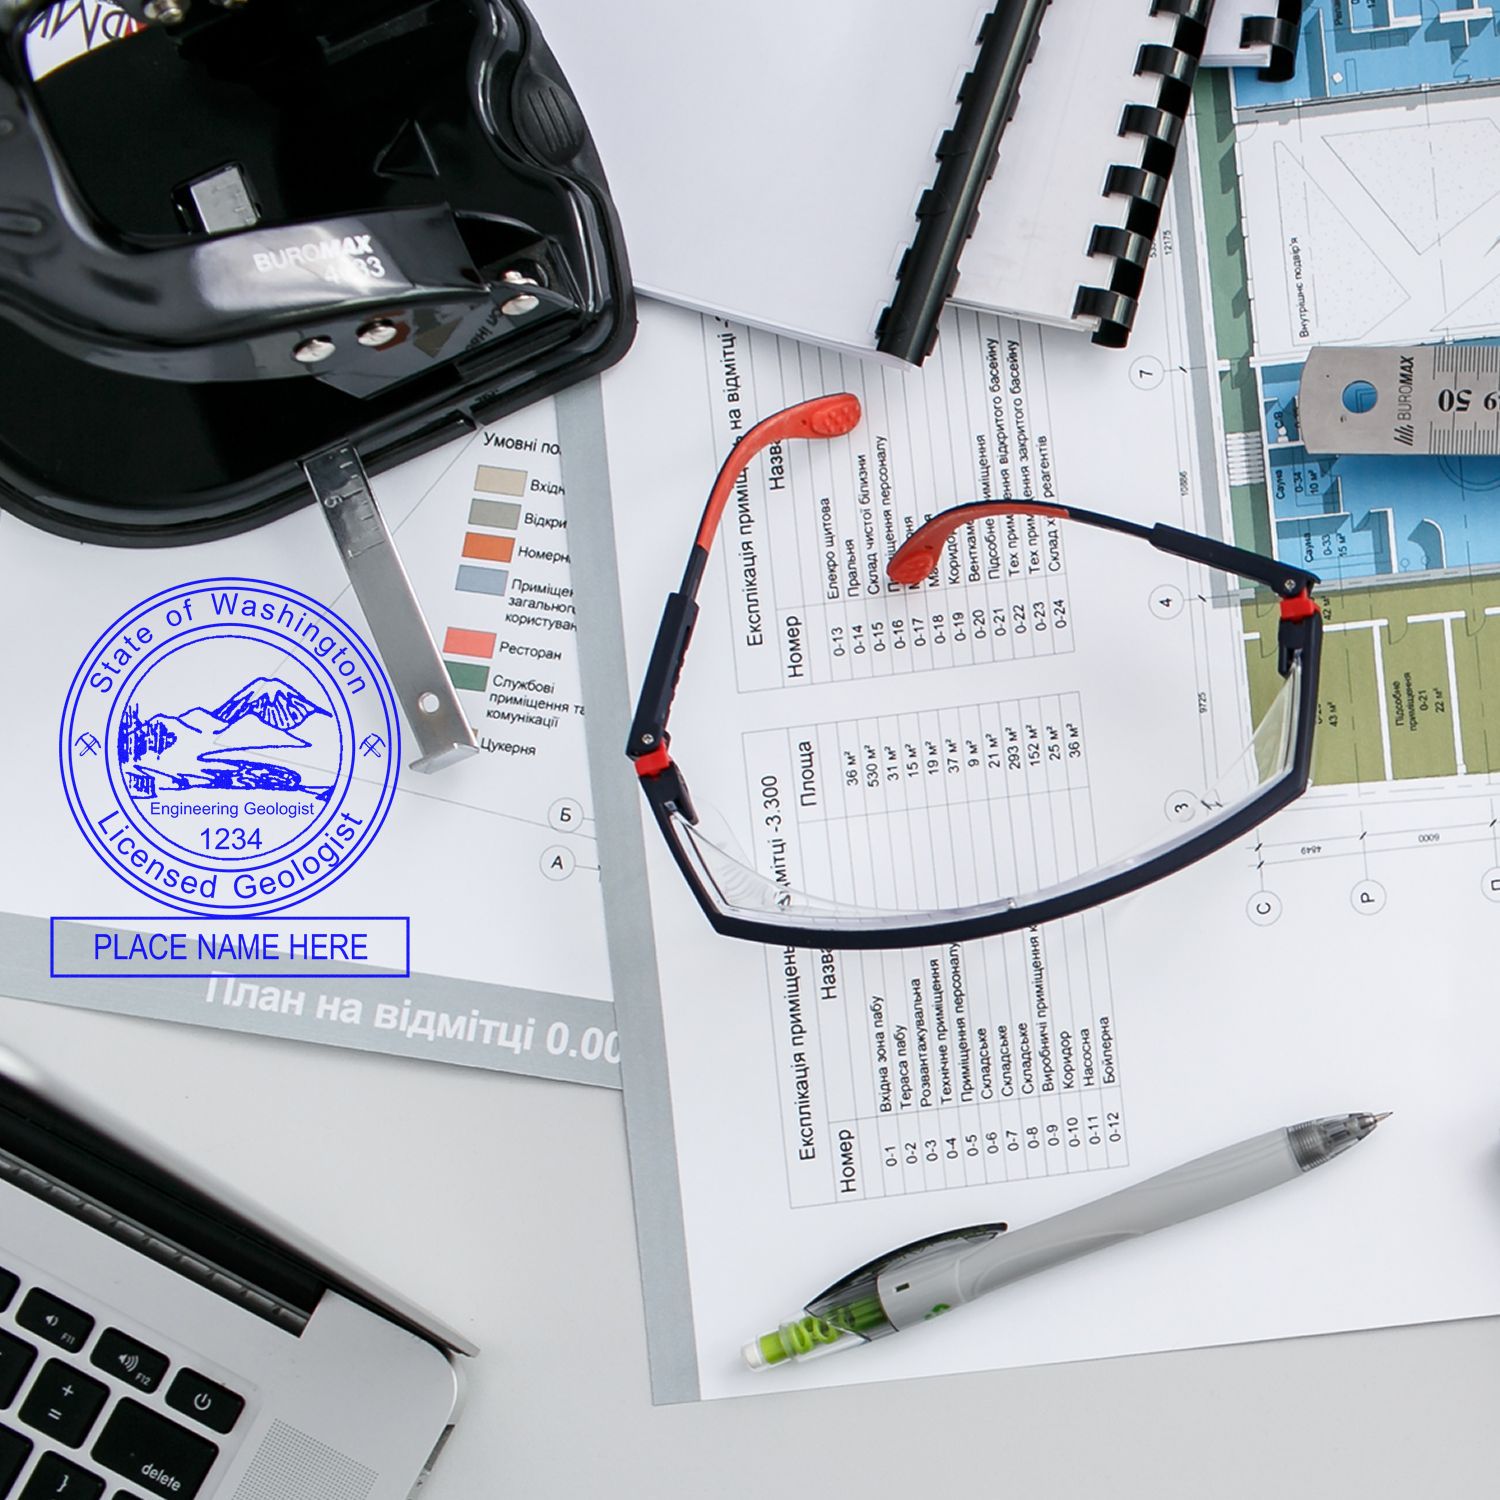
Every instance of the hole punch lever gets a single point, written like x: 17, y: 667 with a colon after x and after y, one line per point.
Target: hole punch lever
x: 421, y: 683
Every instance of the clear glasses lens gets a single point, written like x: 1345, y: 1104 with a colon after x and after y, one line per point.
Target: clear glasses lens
x: 995, y: 809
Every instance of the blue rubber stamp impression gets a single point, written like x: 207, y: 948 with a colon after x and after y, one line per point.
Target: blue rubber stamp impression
x: 230, y: 746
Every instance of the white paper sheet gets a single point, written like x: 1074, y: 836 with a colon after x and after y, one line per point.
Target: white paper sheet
x: 768, y: 169
x: 1173, y: 1022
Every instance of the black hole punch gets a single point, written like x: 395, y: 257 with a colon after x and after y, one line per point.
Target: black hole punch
x: 372, y: 145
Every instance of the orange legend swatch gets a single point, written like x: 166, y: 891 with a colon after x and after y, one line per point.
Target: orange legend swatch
x: 489, y: 548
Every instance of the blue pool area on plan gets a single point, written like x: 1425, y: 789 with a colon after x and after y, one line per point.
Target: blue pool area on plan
x: 1371, y: 516
x: 1353, y: 47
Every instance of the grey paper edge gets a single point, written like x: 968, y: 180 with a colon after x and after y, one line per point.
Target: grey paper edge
x: 651, y: 1136
x: 25, y: 974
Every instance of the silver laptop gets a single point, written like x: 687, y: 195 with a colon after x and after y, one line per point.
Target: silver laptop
x: 161, y: 1339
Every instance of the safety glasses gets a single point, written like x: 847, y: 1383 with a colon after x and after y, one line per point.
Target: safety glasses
x: 868, y: 899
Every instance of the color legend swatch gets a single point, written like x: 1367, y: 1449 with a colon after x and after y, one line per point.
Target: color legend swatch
x: 490, y: 548
x: 493, y: 481
x: 503, y: 515
x: 482, y: 581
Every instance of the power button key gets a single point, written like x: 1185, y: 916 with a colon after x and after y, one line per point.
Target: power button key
x: 196, y: 1396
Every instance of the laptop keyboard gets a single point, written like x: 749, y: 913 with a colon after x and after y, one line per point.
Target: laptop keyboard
x: 71, y: 1421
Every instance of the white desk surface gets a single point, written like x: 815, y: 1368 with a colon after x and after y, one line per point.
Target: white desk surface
x: 503, y: 1203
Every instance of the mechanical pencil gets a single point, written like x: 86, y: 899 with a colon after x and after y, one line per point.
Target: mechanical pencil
x: 931, y: 1276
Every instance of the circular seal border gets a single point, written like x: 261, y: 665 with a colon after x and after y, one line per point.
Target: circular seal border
x: 255, y: 907
x: 130, y: 682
